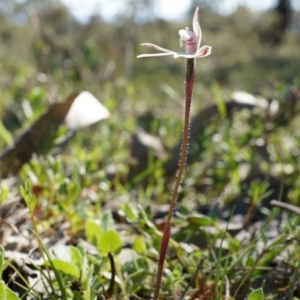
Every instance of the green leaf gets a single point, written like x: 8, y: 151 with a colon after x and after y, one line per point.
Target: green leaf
x: 130, y: 212
x: 2, y: 290
x: 73, y: 190
x: 200, y: 220
x: 86, y: 268
x: 93, y: 231
x: 139, y: 245
x: 110, y: 241
x: 221, y: 105
x: 69, y: 254
x: 65, y: 267
x: 10, y: 295
x: 137, y: 276
x: 169, y: 275
x: 256, y: 295
x: 77, y: 296
x: 5, y: 134
x: 29, y: 198
x: 177, y: 271
x: 76, y: 256
x: 58, y: 275
x: 250, y: 262
x: 3, y: 194
x: 93, y: 259
x: 87, y: 295
x: 107, y: 222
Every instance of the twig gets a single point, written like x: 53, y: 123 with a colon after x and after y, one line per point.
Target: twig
x: 110, y: 290
x: 227, y: 288
x: 286, y: 206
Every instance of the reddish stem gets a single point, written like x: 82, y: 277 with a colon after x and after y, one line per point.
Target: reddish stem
x: 189, y: 85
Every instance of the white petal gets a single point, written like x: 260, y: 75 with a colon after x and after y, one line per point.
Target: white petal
x: 203, y: 51
x: 157, y: 47
x: 85, y: 111
x: 196, y: 26
x: 155, y: 54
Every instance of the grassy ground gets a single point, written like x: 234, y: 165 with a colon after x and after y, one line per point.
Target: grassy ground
x: 94, y: 210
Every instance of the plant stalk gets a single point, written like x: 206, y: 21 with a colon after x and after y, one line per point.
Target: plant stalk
x: 189, y: 85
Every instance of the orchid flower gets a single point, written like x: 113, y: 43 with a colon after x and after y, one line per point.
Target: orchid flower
x: 192, y: 38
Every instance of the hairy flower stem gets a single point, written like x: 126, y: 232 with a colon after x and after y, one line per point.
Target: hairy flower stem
x: 189, y: 85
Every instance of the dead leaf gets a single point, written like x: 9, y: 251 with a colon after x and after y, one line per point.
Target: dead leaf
x: 85, y: 111
x: 79, y: 110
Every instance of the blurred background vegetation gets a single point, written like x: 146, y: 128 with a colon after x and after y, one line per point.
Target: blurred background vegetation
x: 45, y: 51
x: 46, y: 54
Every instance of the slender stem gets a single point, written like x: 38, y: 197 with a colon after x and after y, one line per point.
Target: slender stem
x: 189, y: 84
x: 286, y: 206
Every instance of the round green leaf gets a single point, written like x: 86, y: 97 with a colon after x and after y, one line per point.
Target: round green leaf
x: 65, y: 267
x: 257, y: 295
x: 93, y: 231
x: 139, y: 245
x: 110, y: 241
x: 2, y: 290
x: 10, y: 295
